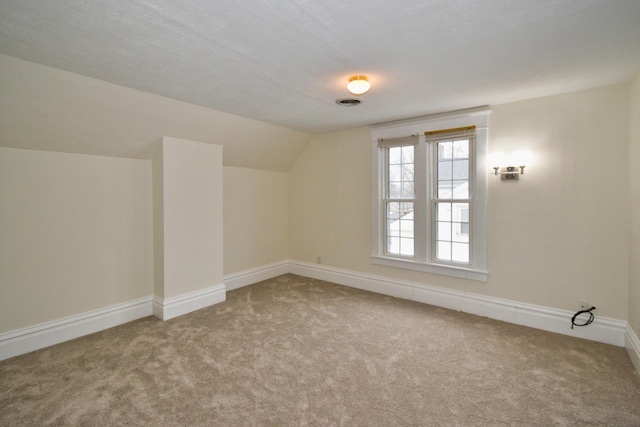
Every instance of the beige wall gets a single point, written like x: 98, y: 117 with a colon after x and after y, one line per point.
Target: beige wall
x: 558, y: 235
x: 191, y: 212
x: 256, y: 218
x: 330, y: 201
x: 75, y: 234
x: 634, y: 192
x: 76, y: 230
x: 157, y: 171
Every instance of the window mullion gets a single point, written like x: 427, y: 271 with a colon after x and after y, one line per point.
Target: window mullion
x: 432, y: 186
x: 422, y: 234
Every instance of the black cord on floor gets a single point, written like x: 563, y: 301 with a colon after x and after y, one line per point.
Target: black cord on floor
x: 589, y: 320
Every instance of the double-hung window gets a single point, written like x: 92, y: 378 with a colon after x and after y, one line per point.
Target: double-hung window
x: 450, y: 194
x: 399, y: 197
x: 430, y: 195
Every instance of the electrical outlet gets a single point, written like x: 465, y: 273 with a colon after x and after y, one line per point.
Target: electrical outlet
x: 584, y: 305
x: 319, y: 260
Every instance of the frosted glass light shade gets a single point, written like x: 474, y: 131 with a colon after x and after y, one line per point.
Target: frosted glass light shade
x: 358, y: 84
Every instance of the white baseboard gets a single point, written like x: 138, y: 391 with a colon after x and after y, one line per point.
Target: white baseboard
x: 254, y: 275
x: 168, y: 308
x: 35, y: 337
x: 609, y: 331
x: 632, y: 344
x: 43, y: 335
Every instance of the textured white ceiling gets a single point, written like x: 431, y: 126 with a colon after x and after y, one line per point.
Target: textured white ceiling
x: 286, y: 62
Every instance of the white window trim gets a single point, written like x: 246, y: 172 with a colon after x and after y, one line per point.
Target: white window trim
x: 477, y: 117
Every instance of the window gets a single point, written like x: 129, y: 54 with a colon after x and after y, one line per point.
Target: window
x: 430, y: 193
x: 451, y: 196
x: 399, y: 200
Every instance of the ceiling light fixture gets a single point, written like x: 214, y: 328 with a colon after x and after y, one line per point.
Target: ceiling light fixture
x: 358, y: 84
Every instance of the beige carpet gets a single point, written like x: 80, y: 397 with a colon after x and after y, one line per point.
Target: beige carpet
x: 294, y: 352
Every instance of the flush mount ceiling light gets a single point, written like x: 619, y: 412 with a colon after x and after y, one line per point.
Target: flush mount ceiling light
x: 358, y: 84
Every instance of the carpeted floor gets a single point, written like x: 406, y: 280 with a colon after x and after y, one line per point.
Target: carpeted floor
x: 293, y: 351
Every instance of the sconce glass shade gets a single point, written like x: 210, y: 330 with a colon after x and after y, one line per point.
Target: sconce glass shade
x: 358, y: 84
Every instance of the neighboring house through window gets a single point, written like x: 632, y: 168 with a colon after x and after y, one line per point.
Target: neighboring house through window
x: 430, y: 193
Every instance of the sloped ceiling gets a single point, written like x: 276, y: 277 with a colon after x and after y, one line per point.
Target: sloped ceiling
x: 285, y: 63
x: 43, y: 108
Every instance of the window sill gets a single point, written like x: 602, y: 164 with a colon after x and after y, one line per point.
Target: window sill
x: 444, y: 270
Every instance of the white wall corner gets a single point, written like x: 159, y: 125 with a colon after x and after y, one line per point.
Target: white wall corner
x: 168, y: 308
x: 254, y: 275
x: 632, y: 344
x: 46, y: 334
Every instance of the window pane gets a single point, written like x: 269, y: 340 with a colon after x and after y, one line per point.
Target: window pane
x: 392, y: 229
x: 464, y: 213
x: 395, y: 172
x: 406, y: 247
x: 460, y: 252
x: 443, y: 211
x: 407, y: 190
x: 407, y: 171
x: 400, y: 173
x: 407, y: 154
x: 453, y: 177
x: 393, y: 210
x: 395, y: 190
x: 452, y: 232
x: 445, y: 191
x: 459, y: 211
x: 461, y: 149
x: 443, y: 231
x: 453, y: 169
x: 460, y: 190
x: 399, y: 235
x: 444, y: 171
x: 445, y: 150
x: 460, y: 217
x: 395, y: 155
x: 461, y: 169
x: 443, y: 251
x: 457, y: 235
x: 407, y: 179
x: 464, y: 228
x: 464, y: 224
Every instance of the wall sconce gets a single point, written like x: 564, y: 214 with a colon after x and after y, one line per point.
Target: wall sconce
x: 522, y: 158
x: 509, y: 172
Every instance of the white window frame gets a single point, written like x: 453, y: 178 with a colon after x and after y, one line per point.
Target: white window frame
x: 423, y: 216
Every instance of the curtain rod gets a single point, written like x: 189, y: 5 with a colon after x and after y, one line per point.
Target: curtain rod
x: 461, y: 129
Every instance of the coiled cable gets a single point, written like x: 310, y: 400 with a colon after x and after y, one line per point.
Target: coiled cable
x: 588, y: 321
